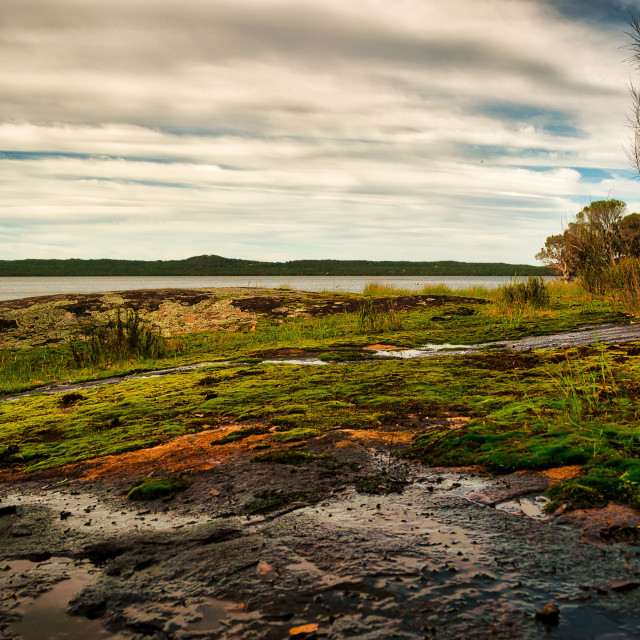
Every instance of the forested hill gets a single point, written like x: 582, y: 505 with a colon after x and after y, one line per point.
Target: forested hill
x: 219, y: 266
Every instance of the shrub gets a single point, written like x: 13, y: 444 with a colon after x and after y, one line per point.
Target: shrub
x: 534, y: 292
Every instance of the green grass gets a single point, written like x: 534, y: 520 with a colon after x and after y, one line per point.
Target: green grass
x: 535, y: 410
x: 342, y: 336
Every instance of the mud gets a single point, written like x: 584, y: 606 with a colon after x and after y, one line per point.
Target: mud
x: 426, y: 563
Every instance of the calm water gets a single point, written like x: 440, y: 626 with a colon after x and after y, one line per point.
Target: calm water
x: 12, y: 288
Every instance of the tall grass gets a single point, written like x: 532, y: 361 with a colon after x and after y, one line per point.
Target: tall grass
x: 533, y: 291
x: 584, y: 389
x: 379, y: 289
x: 374, y: 318
x: 126, y: 337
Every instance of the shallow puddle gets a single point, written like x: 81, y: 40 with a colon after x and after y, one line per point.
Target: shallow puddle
x: 425, y: 351
x: 312, y: 362
x: 532, y: 507
x: 45, y: 616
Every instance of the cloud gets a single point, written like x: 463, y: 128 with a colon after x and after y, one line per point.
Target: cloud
x: 268, y: 129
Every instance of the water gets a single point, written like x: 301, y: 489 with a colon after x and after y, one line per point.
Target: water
x: 44, y: 616
x: 14, y: 288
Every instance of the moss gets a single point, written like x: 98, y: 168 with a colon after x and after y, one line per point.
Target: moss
x: 240, y: 434
x: 529, y: 410
x: 152, y: 488
x: 295, y: 435
x: 288, y: 456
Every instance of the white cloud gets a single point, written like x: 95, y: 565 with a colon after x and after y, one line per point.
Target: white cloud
x: 280, y: 130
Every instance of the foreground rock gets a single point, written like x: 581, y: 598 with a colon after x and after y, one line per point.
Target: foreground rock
x: 425, y: 563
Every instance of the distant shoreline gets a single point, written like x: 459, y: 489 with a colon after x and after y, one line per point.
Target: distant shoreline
x: 219, y: 266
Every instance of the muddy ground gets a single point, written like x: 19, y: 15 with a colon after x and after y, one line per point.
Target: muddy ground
x: 256, y: 550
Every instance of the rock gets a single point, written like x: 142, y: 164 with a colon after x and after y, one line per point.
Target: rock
x: 622, y: 586
x: 479, y: 498
x: 549, y: 615
x: 100, y: 552
x: 88, y: 607
x: 21, y: 530
x: 265, y: 572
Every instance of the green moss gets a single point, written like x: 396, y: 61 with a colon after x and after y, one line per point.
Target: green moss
x: 288, y: 456
x: 295, y: 435
x: 152, y: 488
x: 240, y: 434
x: 529, y: 410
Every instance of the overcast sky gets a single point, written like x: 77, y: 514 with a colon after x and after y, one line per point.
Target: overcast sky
x: 277, y: 130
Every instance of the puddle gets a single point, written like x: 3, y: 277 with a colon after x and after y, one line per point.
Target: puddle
x: 44, y: 616
x: 314, y: 362
x: 532, y: 507
x: 426, y: 351
x: 202, y: 615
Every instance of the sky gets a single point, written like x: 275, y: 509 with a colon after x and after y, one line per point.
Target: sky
x: 280, y: 130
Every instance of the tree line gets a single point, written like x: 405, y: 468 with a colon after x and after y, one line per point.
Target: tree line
x: 212, y: 265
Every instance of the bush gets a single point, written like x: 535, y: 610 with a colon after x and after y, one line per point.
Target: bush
x: 534, y: 292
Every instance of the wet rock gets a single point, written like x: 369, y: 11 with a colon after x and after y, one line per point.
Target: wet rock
x: 40, y: 556
x: 617, y: 533
x: 87, y: 606
x: 623, y: 586
x: 549, y: 615
x: 100, y: 552
x: 265, y: 572
x: 479, y: 498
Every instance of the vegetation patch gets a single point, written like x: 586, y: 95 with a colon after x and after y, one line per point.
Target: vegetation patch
x: 295, y: 435
x: 240, y: 434
x: 289, y: 456
x: 153, y: 488
x: 528, y: 410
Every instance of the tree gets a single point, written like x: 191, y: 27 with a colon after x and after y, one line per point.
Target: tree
x: 556, y: 255
x: 590, y: 245
x: 633, y: 152
x: 630, y: 232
